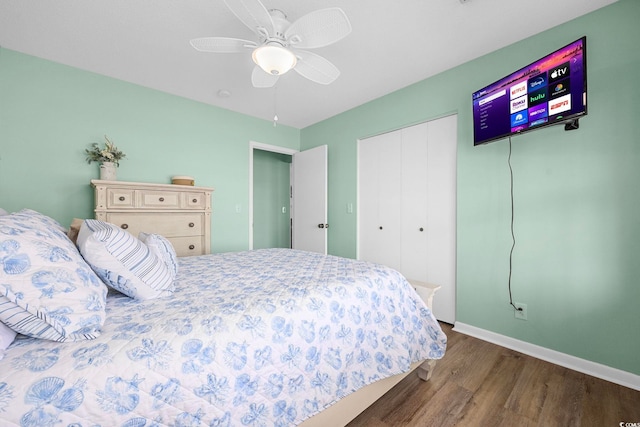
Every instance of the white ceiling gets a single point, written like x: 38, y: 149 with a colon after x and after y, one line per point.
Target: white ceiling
x: 393, y: 44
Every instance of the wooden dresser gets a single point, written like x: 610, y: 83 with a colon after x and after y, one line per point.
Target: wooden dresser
x: 180, y: 213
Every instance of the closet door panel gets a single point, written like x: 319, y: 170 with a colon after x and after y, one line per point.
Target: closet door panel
x: 379, y: 199
x: 390, y: 193
x: 368, y: 200
x: 441, y: 245
x: 414, y: 202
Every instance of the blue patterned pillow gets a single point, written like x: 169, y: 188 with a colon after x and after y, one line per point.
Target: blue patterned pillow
x: 44, y: 220
x: 163, y: 248
x: 123, y: 262
x: 47, y: 290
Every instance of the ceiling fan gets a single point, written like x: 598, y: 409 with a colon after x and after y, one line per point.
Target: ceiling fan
x: 280, y: 43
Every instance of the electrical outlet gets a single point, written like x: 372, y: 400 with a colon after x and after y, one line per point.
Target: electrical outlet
x: 522, y: 313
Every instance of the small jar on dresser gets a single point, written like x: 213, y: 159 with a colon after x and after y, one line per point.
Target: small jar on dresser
x: 180, y: 213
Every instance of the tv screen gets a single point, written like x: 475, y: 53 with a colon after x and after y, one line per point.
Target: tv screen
x: 549, y: 91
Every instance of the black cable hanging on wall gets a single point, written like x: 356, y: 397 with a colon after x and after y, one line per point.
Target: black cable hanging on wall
x: 513, y: 235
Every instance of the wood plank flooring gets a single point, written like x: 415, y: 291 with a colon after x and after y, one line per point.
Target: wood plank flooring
x: 481, y: 384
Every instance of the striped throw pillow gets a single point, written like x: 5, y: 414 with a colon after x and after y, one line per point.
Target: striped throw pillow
x: 163, y: 248
x: 123, y: 262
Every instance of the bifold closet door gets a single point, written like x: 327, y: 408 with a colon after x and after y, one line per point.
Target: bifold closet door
x: 407, y: 205
x: 380, y: 199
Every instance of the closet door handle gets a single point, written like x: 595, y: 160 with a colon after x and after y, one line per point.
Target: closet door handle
x: 320, y: 225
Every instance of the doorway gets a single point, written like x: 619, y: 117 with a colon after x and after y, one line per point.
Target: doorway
x: 308, y: 198
x: 271, y: 200
x: 264, y: 153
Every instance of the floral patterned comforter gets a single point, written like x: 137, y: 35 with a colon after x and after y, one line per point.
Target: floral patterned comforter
x: 258, y: 338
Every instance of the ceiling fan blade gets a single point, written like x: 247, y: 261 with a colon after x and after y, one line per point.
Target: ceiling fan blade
x: 260, y: 78
x: 253, y: 14
x: 315, y: 67
x: 319, y: 28
x: 222, y: 44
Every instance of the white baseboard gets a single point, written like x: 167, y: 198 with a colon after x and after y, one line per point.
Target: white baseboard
x: 597, y: 370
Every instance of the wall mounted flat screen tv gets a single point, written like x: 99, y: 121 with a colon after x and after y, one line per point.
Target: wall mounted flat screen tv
x: 549, y: 91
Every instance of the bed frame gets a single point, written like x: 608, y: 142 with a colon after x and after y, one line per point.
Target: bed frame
x: 349, y: 407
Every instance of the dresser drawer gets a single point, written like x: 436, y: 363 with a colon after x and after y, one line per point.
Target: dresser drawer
x: 160, y: 199
x: 165, y: 224
x: 120, y: 198
x: 195, y: 201
x: 188, y: 246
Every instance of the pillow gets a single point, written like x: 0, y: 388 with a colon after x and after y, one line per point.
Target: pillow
x: 7, y: 335
x: 47, y: 290
x: 123, y: 262
x: 41, y: 218
x: 163, y: 249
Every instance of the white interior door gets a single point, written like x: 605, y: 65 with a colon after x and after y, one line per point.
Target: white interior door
x: 309, y: 194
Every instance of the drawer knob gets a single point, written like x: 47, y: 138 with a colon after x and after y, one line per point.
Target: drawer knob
x: 191, y: 225
x: 380, y: 227
x: 195, y: 200
x: 121, y: 198
x: 192, y: 247
x: 421, y: 229
x: 161, y: 199
x: 124, y: 226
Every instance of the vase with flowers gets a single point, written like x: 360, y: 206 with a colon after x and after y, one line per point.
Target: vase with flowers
x: 108, y: 156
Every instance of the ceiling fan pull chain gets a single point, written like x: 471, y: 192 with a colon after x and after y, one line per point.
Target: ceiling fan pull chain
x: 275, y: 106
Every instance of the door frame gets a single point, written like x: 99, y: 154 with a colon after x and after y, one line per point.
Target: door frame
x: 253, y: 145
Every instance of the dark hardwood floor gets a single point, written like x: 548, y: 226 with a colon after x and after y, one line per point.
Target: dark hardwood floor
x: 481, y: 384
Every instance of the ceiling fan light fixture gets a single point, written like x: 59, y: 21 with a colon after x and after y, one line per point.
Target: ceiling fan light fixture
x: 274, y: 59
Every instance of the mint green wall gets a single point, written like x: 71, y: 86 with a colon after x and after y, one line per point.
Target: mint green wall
x: 49, y: 113
x: 576, y: 199
x: 271, y: 180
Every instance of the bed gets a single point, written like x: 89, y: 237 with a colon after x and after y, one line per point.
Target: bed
x: 272, y: 337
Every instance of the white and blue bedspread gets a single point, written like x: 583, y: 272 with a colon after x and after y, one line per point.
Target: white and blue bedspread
x: 258, y: 338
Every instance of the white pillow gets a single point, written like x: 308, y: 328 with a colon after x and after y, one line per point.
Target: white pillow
x: 123, y: 262
x: 47, y: 290
x: 163, y: 248
x: 7, y: 335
